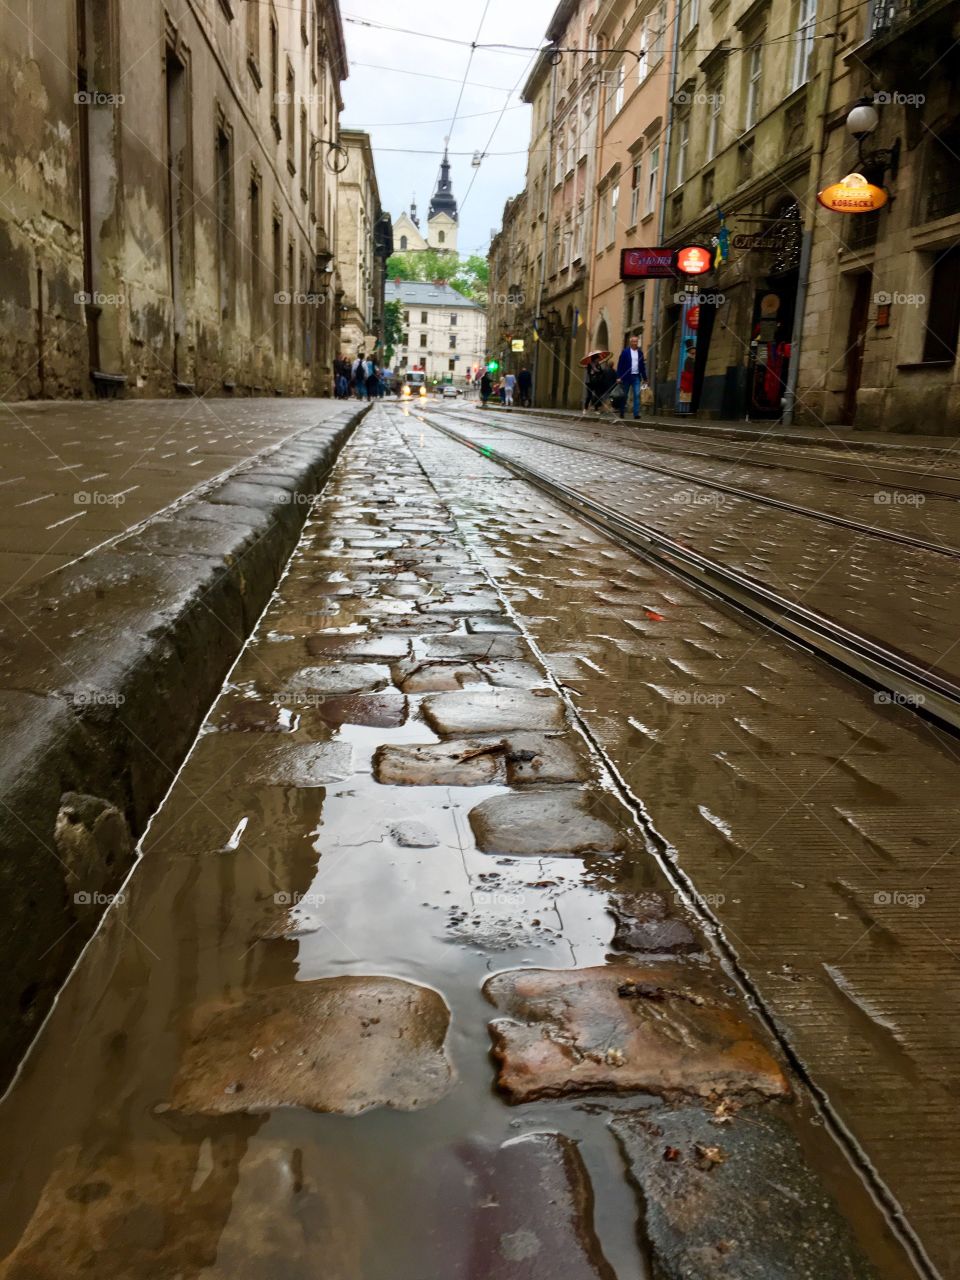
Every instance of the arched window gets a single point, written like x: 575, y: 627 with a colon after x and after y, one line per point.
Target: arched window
x: 403, y: 243
x: 442, y: 236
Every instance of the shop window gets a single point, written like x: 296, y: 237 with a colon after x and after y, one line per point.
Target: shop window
x: 943, y: 316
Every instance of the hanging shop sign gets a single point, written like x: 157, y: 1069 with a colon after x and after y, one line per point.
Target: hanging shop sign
x: 647, y: 264
x: 516, y: 344
x: 853, y: 194
x: 775, y: 240
x: 694, y: 260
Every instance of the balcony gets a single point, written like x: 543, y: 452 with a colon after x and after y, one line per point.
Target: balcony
x: 888, y: 14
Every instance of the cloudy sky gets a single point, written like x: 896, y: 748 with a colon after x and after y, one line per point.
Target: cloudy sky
x: 404, y: 89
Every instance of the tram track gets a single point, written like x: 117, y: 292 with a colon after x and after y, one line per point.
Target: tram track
x: 750, y: 495
x: 923, y: 690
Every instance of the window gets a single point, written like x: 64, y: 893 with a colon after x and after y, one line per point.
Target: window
x: 806, y: 22
x: 585, y: 111
x: 403, y: 244
x: 225, y: 236
x: 253, y: 37
x: 453, y: 342
x: 618, y: 91
x: 423, y: 317
x: 683, y: 146
x: 304, y: 150
x: 691, y: 15
x: 274, y: 75
x: 558, y: 165
x: 614, y: 208
x: 441, y: 237
x: 291, y: 117
x: 643, y: 60
x: 635, y: 184
x: 943, y: 316
x: 406, y: 317
x: 715, y: 102
x: 423, y: 339
x: 452, y: 365
x: 706, y: 189
x: 652, y: 171
x: 404, y: 339
x: 660, y: 34
x: 754, y: 71
x: 581, y: 234
x: 255, y: 286
x: 676, y: 210
x: 453, y: 319
x: 571, y: 153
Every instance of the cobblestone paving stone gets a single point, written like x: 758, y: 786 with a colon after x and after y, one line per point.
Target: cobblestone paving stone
x: 817, y: 823
x: 279, y: 870
x: 894, y: 594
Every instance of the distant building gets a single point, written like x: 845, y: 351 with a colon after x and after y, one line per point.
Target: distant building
x: 443, y: 221
x: 360, y: 247
x: 443, y: 333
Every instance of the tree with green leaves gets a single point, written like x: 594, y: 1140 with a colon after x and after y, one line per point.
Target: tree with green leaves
x: 469, y: 276
x: 392, y: 330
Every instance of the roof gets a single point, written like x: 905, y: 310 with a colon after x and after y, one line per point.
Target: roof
x: 424, y: 293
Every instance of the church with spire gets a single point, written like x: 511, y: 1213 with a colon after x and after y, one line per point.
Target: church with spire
x: 442, y: 220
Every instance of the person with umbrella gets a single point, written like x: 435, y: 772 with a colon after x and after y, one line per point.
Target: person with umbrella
x: 596, y: 379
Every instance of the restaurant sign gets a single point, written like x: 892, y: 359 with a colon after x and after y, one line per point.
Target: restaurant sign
x: 647, y: 264
x: 853, y: 194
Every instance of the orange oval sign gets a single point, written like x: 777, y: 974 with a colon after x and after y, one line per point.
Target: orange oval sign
x: 853, y: 194
x: 694, y: 260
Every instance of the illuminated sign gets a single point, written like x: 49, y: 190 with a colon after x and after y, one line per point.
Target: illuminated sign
x: 647, y: 264
x: 694, y: 260
x: 853, y: 194
x: 516, y: 344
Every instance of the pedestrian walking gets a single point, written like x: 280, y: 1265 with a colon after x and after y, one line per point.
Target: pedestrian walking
x: 486, y: 389
x: 509, y: 386
x: 359, y: 377
x: 595, y: 382
x: 525, y: 388
x: 372, y: 380
x: 632, y: 373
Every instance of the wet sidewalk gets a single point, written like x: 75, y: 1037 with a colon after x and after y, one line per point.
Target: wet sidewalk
x: 399, y: 988
x: 75, y: 475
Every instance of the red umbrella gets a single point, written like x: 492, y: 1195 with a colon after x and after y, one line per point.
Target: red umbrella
x: 593, y: 355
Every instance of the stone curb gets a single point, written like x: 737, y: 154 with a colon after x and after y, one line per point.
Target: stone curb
x: 107, y: 668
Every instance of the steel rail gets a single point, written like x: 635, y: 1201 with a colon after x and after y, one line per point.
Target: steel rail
x: 924, y: 691
x: 811, y: 513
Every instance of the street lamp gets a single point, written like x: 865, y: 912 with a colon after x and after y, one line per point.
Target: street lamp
x: 862, y: 121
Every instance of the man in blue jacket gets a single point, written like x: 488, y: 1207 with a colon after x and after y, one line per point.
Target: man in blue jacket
x: 632, y: 373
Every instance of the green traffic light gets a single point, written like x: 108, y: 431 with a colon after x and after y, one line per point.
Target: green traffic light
x: 493, y: 366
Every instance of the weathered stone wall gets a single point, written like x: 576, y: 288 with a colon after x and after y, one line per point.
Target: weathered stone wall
x: 180, y: 273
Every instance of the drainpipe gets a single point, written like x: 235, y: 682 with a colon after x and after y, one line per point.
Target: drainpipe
x: 816, y: 174
x: 547, y: 189
x: 653, y: 345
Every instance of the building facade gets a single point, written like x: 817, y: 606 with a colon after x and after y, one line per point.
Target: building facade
x: 882, y: 314
x: 630, y: 166
x: 361, y: 247
x: 175, y: 229
x: 444, y: 333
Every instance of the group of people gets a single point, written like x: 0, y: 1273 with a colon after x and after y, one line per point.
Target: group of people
x: 362, y: 378
x: 511, y: 386
x: 617, y: 385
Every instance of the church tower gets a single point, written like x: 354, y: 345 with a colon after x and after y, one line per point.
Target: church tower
x: 443, y: 221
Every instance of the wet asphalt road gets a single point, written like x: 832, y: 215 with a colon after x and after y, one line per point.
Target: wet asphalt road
x: 739, y: 795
